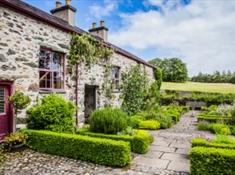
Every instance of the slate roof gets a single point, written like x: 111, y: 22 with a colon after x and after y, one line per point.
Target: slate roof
x: 33, y: 12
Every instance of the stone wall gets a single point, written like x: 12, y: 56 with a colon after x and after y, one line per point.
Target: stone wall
x: 20, y: 40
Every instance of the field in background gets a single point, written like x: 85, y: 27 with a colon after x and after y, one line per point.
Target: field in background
x: 200, y: 87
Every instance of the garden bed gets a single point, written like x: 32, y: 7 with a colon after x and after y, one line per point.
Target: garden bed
x: 216, y: 156
x: 97, y: 150
x: 139, y: 142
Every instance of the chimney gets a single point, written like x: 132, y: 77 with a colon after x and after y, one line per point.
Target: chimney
x: 66, y: 12
x: 100, y: 31
x: 58, y: 4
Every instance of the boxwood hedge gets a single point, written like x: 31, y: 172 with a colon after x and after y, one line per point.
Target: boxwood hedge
x: 149, y: 124
x: 204, y: 143
x: 208, y: 161
x: 96, y: 150
x: 139, y: 142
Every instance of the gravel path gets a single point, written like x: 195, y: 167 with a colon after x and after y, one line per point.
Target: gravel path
x: 167, y: 156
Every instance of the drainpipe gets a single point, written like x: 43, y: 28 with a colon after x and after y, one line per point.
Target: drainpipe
x: 76, y: 92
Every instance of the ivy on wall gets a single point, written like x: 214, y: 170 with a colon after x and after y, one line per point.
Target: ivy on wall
x: 88, y: 50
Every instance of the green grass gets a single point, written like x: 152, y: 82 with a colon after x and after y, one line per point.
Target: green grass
x: 200, y: 87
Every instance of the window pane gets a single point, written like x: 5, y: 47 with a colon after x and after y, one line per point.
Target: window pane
x: 58, y: 80
x: 45, y: 79
x: 115, y: 77
x: 53, y: 77
x: 2, y: 100
x: 44, y: 60
x: 56, y: 62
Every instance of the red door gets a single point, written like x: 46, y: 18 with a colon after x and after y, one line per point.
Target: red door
x: 4, y: 111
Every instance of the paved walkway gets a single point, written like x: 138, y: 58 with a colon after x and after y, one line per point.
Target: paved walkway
x: 170, y: 148
x: 167, y: 156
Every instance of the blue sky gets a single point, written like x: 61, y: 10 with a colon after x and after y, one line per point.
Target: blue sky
x: 200, y: 32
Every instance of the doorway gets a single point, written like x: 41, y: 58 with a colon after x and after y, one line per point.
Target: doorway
x: 90, y: 101
x: 5, y: 109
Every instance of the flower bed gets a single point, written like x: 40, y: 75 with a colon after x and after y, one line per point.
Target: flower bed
x: 96, y: 150
x: 139, y: 142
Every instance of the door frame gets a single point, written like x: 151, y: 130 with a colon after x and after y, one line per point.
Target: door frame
x: 9, y: 85
x: 94, y: 87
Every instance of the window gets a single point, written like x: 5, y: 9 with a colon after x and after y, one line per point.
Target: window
x: 116, y: 77
x: 51, y: 70
x: 2, y: 100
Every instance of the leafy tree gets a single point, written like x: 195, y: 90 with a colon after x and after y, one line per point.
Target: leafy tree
x: 134, y: 88
x: 173, y: 69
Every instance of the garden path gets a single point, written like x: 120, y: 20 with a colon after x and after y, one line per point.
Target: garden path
x: 168, y: 155
x: 171, y: 146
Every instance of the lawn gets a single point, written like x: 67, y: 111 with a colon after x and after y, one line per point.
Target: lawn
x: 200, y: 87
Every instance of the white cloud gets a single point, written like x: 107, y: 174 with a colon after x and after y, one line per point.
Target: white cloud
x: 202, y: 33
x: 103, y: 10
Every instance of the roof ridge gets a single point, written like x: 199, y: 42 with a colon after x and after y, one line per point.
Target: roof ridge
x: 35, y: 12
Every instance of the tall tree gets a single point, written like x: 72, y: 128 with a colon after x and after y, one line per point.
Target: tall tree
x: 173, y: 69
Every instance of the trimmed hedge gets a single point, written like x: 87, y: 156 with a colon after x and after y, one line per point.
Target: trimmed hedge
x: 208, y: 161
x: 149, y: 124
x: 171, y: 96
x: 217, y: 128
x: 139, y: 142
x: 96, y: 150
x: 204, y: 143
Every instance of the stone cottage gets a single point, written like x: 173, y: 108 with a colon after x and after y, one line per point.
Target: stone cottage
x: 34, y: 47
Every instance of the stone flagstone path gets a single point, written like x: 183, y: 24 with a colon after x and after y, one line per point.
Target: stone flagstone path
x: 170, y: 148
x: 168, y: 155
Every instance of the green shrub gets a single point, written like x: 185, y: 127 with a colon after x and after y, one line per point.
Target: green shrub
x: 165, y: 121
x: 140, y: 141
x: 232, y: 128
x: 135, y: 121
x: 224, y: 139
x: 96, y: 150
x: 108, y: 120
x: 149, y: 124
x: 205, y: 143
x: 53, y: 113
x: 219, y: 128
x: 208, y: 161
x: 202, y: 127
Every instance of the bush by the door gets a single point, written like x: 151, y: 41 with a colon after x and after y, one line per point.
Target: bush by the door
x: 52, y: 113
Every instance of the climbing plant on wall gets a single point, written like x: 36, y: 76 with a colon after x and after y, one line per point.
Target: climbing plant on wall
x: 88, y: 50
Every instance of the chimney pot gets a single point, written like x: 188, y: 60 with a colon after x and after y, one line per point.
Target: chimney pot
x: 58, y: 4
x: 93, y: 25
x: 102, y: 23
x: 67, y: 2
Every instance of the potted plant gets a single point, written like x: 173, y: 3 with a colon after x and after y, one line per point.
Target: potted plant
x: 19, y: 101
x: 14, y: 141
